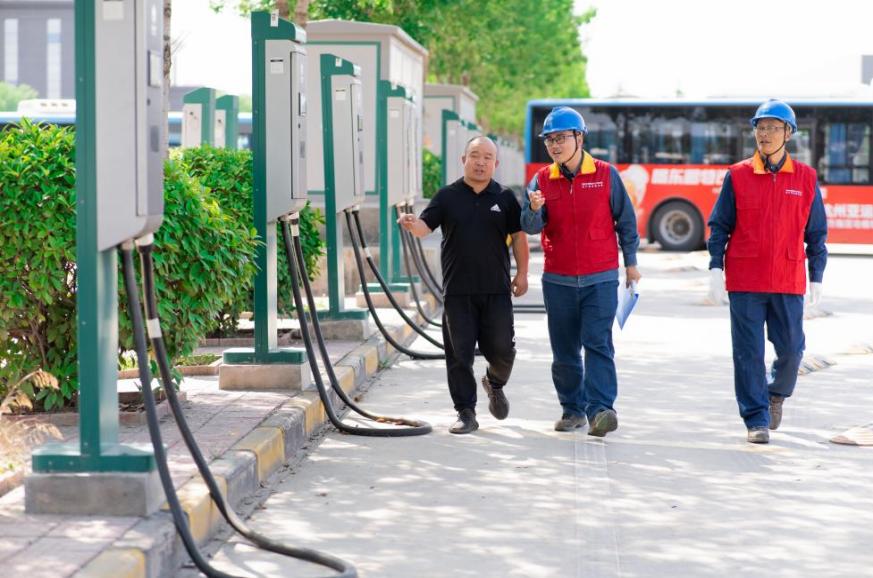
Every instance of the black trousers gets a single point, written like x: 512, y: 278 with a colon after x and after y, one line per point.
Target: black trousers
x: 468, y: 319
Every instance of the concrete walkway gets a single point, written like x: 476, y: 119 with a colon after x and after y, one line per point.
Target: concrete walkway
x: 676, y: 491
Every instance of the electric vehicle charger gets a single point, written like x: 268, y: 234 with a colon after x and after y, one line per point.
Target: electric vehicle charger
x: 429, y: 274
x: 361, y: 275
x: 145, y: 246
x: 420, y: 261
x: 375, y: 269
x: 297, y: 271
x: 404, y: 240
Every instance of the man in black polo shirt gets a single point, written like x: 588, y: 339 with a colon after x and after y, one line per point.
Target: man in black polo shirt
x: 477, y: 216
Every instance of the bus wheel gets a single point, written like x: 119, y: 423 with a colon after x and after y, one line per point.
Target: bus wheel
x: 677, y: 226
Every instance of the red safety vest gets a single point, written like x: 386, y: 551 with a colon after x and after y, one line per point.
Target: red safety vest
x: 765, y: 250
x: 579, y: 237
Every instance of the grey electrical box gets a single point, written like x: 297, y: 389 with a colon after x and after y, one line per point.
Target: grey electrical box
x: 129, y: 129
x: 399, y: 148
x: 454, y: 146
x: 413, y: 130
x: 347, y: 122
x: 285, y: 139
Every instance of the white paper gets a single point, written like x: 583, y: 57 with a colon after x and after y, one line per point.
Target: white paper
x: 627, y: 300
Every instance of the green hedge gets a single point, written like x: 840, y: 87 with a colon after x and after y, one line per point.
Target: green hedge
x: 203, y: 252
x: 203, y: 255
x: 228, y: 176
x: 38, y: 257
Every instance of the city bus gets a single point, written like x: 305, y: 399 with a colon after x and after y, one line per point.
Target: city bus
x: 673, y: 155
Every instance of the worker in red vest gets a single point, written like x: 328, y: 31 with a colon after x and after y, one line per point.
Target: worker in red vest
x: 769, y: 206
x: 579, y: 203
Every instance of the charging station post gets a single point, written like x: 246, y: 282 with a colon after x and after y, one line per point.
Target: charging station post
x: 120, y: 150
x: 198, y: 118
x: 227, y: 122
x: 278, y: 158
x: 343, y: 165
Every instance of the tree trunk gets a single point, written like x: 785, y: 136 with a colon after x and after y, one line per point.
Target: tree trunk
x: 301, y: 16
x: 283, y: 9
x: 168, y: 62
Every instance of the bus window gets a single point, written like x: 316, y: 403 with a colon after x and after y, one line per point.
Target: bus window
x: 602, y: 138
x: 658, y: 139
x: 846, y: 158
x: 714, y: 143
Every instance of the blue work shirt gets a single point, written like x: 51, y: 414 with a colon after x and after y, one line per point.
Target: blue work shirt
x: 724, y: 218
x: 533, y: 222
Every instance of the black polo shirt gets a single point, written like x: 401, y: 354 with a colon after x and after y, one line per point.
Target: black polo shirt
x: 475, y: 256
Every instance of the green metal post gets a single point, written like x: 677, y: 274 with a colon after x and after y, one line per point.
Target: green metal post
x: 389, y: 239
x: 205, y: 97
x: 96, y: 299
x: 229, y: 103
x: 266, y: 348
x: 447, y: 115
x: 332, y: 66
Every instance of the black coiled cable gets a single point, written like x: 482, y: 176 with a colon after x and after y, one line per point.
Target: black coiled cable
x: 360, y: 265
x: 343, y: 568
x: 297, y: 271
x: 406, y: 252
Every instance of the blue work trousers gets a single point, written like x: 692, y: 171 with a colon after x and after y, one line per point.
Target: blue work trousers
x: 581, y: 317
x: 783, y: 315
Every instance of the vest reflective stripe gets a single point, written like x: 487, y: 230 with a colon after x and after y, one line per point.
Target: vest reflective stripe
x: 765, y: 250
x: 579, y: 237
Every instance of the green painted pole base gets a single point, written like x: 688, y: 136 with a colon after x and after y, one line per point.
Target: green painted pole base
x: 393, y: 287
x: 66, y: 458
x: 249, y: 356
x: 344, y: 315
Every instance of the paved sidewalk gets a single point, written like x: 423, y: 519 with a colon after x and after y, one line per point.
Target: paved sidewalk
x: 227, y: 425
x: 676, y: 491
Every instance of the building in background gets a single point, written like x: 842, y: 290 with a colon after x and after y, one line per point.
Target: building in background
x: 37, y: 46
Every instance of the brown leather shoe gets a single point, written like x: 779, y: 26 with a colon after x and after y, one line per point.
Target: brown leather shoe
x: 776, y: 411
x: 569, y: 422
x: 498, y: 405
x: 603, y: 423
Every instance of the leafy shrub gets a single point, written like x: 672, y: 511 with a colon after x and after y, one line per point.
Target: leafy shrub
x: 202, y: 254
x: 228, y: 175
x: 431, y: 175
x: 38, y: 257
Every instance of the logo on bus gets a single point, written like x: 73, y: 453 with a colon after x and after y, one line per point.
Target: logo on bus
x: 688, y: 176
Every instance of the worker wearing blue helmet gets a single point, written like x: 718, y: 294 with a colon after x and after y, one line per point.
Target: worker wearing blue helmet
x: 578, y: 204
x: 769, y: 206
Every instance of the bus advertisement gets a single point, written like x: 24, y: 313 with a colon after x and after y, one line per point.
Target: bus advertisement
x: 672, y: 156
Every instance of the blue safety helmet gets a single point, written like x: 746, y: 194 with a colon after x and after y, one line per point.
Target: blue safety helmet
x: 563, y: 118
x: 775, y: 109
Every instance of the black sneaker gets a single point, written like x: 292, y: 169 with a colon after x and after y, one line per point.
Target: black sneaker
x: 466, y: 422
x: 569, y: 422
x: 498, y: 405
x: 776, y: 411
x: 603, y: 423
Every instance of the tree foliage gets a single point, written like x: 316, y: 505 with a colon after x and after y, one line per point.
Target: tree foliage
x: 11, y: 95
x: 506, y: 51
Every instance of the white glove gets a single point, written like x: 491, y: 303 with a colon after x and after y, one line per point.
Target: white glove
x: 717, y: 293
x: 815, y: 292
